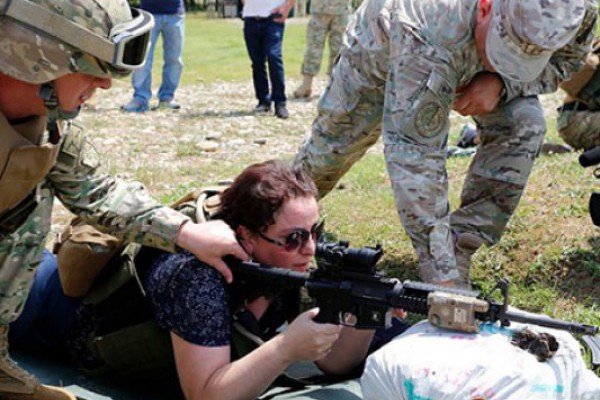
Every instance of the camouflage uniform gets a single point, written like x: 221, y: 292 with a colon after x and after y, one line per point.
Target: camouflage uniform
x: 397, y: 74
x: 125, y: 209
x: 328, y: 17
x: 43, y: 157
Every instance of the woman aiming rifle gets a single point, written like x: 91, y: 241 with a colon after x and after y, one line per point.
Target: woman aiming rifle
x: 273, y: 210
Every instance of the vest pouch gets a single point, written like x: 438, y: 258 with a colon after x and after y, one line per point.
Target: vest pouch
x: 584, y: 84
x: 590, y: 92
x: 116, y: 276
x: 141, y: 351
x: 580, y: 78
x: 23, y: 162
x: 26, y: 166
x: 82, y: 252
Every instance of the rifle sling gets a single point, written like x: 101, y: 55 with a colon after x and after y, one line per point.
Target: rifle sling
x: 593, y: 343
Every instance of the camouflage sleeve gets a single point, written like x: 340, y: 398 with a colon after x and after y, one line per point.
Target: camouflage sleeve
x: 123, y: 209
x: 563, y: 62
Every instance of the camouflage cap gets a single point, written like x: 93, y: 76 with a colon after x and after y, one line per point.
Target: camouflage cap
x: 35, y: 55
x: 524, y: 34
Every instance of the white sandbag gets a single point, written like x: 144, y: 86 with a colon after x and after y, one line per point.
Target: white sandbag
x: 428, y: 363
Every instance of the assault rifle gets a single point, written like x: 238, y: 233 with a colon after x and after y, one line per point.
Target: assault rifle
x: 349, y: 290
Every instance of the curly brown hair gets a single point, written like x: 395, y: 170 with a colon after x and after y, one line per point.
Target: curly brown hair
x: 260, y: 190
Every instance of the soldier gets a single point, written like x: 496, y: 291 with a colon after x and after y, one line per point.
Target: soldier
x: 411, y: 62
x: 53, y: 56
x: 328, y: 18
x: 579, y: 116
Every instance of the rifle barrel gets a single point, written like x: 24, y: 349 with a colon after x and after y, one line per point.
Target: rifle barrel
x: 528, y: 318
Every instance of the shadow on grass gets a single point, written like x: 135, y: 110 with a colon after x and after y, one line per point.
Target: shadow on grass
x: 403, y: 267
x: 576, y: 273
x: 583, y: 278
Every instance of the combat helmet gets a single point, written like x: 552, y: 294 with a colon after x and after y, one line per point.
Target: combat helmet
x: 42, y: 40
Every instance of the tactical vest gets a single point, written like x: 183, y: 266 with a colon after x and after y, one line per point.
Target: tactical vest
x: 24, y: 162
x: 83, y: 252
x: 584, y: 85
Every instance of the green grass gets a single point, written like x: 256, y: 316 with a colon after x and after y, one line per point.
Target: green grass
x: 550, y: 251
x: 214, y: 50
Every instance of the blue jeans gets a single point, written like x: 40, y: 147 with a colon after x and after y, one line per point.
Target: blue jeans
x: 172, y: 28
x: 264, y: 38
x: 47, y: 317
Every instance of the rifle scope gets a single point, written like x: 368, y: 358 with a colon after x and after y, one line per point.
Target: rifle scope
x: 358, y: 259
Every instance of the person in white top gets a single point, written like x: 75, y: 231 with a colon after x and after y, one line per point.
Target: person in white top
x: 264, y: 24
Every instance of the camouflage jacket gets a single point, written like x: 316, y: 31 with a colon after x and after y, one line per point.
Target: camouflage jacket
x: 332, y: 7
x: 445, y: 30
x: 123, y: 209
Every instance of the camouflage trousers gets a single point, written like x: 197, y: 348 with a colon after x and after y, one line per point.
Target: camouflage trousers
x: 393, y: 90
x: 511, y: 137
x: 580, y: 129
x: 320, y: 26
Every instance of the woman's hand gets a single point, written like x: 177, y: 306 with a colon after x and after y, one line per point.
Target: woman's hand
x: 308, y: 340
x: 210, y: 242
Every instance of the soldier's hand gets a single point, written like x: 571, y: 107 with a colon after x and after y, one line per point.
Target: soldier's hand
x: 210, y: 242
x: 480, y: 96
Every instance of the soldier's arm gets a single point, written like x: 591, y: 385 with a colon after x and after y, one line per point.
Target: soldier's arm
x: 126, y: 210
x: 121, y: 208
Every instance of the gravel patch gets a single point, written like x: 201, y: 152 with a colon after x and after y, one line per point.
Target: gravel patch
x: 210, y: 138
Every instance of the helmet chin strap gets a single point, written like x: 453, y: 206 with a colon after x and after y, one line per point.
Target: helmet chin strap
x: 54, y: 112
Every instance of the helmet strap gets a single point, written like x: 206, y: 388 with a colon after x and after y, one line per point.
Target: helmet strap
x: 54, y: 112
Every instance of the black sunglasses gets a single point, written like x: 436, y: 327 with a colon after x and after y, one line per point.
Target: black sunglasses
x: 297, y: 239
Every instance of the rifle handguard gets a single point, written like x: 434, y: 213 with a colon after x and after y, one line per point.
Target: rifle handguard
x: 454, y: 311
